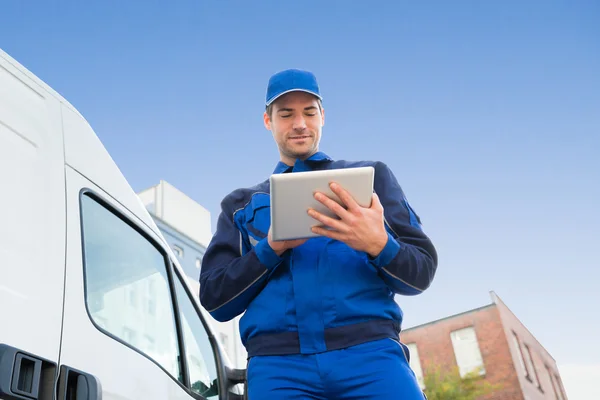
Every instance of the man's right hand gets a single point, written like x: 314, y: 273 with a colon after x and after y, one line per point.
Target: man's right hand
x: 280, y: 246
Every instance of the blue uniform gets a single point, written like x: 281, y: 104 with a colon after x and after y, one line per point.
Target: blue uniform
x: 322, y: 307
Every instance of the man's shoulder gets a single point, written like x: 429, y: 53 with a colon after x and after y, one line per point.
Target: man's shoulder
x: 383, y: 173
x: 239, y: 197
x: 378, y: 165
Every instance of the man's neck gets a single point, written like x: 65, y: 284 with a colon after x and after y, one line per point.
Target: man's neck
x: 292, y: 161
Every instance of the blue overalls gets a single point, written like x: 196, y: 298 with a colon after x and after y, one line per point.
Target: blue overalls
x: 320, y: 321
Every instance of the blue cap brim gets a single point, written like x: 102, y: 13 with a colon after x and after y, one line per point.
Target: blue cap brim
x: 293, y: 90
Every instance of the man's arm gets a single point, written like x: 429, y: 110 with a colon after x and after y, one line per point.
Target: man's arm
x: 408, y: 261
x: 388, y: 231
x: 230, y: 279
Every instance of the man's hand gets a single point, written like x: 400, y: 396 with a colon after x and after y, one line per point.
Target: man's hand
x: 361, y: 228
x: 280, y: 246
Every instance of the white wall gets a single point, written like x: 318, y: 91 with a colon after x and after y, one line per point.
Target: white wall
x: 179, y: 211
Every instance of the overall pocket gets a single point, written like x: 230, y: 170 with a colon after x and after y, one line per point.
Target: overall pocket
x: 359, y: 291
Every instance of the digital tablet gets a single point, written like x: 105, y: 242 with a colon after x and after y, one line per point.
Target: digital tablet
x: 292, y: 194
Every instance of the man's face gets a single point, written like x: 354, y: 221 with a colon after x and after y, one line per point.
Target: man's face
x: 296, y: 121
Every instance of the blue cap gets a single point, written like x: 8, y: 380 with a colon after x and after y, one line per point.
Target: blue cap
x: 291, y: 80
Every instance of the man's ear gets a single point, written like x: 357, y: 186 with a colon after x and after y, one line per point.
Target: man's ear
x: 322, y: 116
x: 267, y: 121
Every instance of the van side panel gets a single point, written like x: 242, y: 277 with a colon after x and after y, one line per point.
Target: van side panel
x: 32, y: 225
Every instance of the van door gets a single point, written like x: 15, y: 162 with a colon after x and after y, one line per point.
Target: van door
x: 121, y: 336
x: 32, y: 234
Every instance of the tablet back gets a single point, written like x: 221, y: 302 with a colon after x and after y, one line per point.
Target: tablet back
x: 292, y: 194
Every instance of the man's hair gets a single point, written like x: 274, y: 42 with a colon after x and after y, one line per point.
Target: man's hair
x: 269, y: 108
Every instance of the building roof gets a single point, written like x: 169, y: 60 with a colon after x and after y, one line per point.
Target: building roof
x: 474, y: 310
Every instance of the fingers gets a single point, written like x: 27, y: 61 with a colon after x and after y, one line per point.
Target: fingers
x: 297, y: 242
x: 328, y: 221
x: 328, y: 233
x: 376, y: 203
x: 346, y: 198
x: 332, y: 205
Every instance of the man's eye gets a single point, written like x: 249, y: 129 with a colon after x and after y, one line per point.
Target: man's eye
x: 286, y: 115
x: 311, y: 115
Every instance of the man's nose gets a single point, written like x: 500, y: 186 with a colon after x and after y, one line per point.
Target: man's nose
x: 299, y: 123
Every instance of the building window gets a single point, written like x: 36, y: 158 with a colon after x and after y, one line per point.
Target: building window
x: 151, y: 298
x: 152, y: 306
x: 563, y: 396
x: 530, y: 367
x: 148, y: 343
x: 536, y: 379
x: 466, y: 351
x: 132, y: 297
x: 521, y: 358
x: 101, y: 322
x: 96, y: 303
x: 554, y: 384
x: 178, y: 251
x: 129, y: 335
x: 415, y: 364
x: 224, y: 341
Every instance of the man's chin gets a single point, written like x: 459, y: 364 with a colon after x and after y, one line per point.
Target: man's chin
x: 301, y: 153
x: 304, y: 155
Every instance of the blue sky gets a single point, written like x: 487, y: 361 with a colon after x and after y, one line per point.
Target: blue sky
x: 488, y: 113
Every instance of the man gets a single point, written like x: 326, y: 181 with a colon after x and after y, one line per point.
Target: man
x: 320, y: 318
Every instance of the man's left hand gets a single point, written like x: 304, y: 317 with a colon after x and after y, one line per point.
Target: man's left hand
x: 361, y: 228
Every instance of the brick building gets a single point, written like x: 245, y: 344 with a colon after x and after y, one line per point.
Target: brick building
x: 492, y: 340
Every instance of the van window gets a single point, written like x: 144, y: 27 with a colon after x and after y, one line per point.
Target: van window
x: 127, y: 286
x: 199, y: 353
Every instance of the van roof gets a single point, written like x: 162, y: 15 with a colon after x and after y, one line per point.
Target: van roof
x: 37, y: 80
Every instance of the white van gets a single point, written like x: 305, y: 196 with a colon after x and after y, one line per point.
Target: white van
x: 93, y: 303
